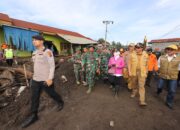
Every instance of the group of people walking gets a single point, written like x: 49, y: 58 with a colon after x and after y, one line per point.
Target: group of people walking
x: 116, y: 66
x: 134, y: 67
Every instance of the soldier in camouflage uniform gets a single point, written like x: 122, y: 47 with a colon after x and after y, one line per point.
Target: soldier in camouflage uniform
x: 77, y: 64
x: 104, y: 56
x: 91, y: 61
x: 85, y: 51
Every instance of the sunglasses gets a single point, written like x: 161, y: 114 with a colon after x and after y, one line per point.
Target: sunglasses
x: 137, y: 47
x: 169, y: 49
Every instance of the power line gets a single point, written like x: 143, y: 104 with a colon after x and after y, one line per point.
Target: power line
x: 176, y: 28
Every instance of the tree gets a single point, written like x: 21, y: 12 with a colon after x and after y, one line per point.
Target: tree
x: 113, y: 43
x: 116, y: 45
x: 101, y: 41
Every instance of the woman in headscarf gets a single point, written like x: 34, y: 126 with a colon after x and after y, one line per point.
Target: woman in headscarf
x: 116, y: 64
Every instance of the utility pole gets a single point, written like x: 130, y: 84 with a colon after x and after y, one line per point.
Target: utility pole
x: 106, y: 22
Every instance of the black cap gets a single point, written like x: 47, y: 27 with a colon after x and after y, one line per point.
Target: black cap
x: 91, y: 46
x: 149, y: 50
x: 38, y: 37
x: 139, y: 45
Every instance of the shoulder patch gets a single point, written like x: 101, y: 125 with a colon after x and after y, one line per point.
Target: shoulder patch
x: 49, y: 53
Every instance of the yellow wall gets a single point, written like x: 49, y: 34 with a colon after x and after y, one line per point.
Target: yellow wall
x: 1, y: 36
x: 54, y: 40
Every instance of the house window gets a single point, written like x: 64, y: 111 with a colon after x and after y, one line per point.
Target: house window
x: 65, y: 46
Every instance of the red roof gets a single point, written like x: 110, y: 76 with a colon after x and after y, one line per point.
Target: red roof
x: 165, y: 40
x: 5, y: 17
x: 38, y: 27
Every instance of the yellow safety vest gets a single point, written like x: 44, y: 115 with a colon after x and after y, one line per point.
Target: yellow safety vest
x: 9, y: 53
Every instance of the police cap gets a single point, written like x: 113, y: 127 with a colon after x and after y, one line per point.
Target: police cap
x: 38, y: 37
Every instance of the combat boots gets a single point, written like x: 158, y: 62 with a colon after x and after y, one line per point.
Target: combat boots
x: 77, y: 82
x: 89, y: 91
x: 59, y: 106
x: 84, y: 83
x: 30, y: 120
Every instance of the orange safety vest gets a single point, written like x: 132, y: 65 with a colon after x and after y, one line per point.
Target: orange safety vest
x: 152, y: 63
x: 4, y: 46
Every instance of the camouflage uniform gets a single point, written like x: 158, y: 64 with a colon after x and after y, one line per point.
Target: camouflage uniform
x: 76, y: 59
x: 104, y: 58
x: 84, y: 69
x: 91, y: 61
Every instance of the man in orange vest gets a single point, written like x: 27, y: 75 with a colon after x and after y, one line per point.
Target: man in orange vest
x: 4, y: 46
x: 152, y: 66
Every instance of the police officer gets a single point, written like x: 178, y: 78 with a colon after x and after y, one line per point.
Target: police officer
x: 44, y: 67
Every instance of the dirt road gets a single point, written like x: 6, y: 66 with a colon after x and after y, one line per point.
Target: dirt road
x: 95, y: 111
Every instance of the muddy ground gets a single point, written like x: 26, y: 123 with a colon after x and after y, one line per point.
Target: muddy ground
x: 94, y: 111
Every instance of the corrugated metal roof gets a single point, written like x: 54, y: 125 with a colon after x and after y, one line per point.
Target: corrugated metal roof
x: 77, y: 40
x: 165, y: 40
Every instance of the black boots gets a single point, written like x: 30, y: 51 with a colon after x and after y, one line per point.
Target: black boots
x: 159, y: 91
x: 170, y: 106
x: 60, y: 106
x: 30, y: 120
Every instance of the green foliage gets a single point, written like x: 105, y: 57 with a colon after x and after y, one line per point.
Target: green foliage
x: 101, y: 41
x: 116, y: 45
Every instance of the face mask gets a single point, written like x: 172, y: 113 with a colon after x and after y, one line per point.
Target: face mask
x: 116, y: 55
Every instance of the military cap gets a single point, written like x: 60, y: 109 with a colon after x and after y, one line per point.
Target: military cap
x: 91, y: 46
x: 85, y: 47
x: 38, y: 37
x: 78, y: 49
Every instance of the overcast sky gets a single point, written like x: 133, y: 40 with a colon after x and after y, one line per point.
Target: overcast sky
x: 133, y: 19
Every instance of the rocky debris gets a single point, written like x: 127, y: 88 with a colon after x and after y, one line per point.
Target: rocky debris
x: 64, y: 79
x: 15, y: 95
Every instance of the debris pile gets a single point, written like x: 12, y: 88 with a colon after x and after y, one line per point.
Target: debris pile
x: 11, y: 80
x: 15, y: 95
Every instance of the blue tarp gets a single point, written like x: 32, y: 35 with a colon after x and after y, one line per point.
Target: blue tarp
x: 21, y: 38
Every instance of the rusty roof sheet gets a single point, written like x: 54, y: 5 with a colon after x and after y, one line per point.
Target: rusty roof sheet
x: 5, y: 17
x: 165, y: 40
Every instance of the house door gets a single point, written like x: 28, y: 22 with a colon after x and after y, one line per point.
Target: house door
x: 51, y: 46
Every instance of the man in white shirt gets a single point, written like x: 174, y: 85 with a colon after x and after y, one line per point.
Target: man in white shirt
x: 169, y: 65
